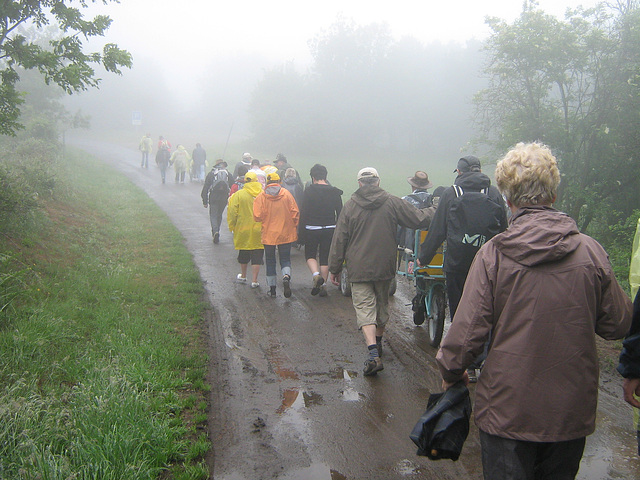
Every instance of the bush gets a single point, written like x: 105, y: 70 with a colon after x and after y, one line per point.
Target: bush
x: 27, y: 175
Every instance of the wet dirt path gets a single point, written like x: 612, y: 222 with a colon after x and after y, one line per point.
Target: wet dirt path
x: 289, y: 400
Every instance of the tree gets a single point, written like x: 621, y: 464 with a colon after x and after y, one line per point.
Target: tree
x: 572, y: 84
x: 61, y: 61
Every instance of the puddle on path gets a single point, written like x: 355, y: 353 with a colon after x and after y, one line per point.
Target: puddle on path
x: 317, y: 471
x: 279, y: 362
x: 349, y: 394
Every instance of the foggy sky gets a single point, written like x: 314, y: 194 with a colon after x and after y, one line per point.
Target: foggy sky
x: 185, y: 37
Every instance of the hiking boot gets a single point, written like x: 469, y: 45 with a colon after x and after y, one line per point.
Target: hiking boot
x: 286, y: 281
x: 323, y: 291
x: 255, y: 284
x: 371, y: 367
x: 473, y: 377
x: 318, y: 281
x: 241, y: 279
x: 216, y: 238
x: 272, y: 291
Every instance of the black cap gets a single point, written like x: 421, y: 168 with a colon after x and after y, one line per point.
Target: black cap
x: 468, y: 164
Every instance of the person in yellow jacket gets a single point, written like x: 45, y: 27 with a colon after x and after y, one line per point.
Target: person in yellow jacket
x: 180, y: 160
x: 279, y: 214
x: 145, y: 147
x: 246, y: 231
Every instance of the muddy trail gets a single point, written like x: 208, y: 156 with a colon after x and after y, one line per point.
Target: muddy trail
x: 288, y: 397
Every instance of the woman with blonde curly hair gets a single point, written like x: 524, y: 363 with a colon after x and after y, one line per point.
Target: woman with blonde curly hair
x: 542, y: 291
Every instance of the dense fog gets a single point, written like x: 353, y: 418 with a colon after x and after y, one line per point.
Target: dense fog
x: 414, y: 100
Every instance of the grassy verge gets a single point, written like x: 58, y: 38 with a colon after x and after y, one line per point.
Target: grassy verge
x: 103, y: 355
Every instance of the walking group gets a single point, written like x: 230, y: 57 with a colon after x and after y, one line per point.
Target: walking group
x: 527, y: 292
x: 269, y: 212
x: 182, y: 162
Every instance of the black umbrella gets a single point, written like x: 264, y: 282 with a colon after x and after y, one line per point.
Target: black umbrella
x: 444, y: 426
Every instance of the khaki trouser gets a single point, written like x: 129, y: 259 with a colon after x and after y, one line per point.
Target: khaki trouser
x: 371, y: 302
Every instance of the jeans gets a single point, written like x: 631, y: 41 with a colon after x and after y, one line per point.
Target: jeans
x: 284, y: 252
x: 507, y: 459
x: 145, y: 160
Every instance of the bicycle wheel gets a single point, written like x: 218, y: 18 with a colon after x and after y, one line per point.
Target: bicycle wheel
x: 437, y: 315
x: 345, y: 286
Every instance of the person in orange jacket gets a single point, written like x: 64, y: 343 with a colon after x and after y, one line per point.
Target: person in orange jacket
x: 279, y: 214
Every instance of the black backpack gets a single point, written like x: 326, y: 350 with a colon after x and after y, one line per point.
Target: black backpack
x: 220, y: 185
x: 473, y: 218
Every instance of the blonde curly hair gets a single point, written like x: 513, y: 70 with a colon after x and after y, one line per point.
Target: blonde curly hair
x: 528, y: 175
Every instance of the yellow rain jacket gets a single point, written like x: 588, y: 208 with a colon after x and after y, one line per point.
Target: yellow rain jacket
x: 246, y: 231
x: 180, y: 159
x: 634, y: 270
x: 145, y: 144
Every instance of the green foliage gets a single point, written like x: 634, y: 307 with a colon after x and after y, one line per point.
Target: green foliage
x: 616, y: 236
x: 12, y: 285
x: 572, y: 84
x: 28, y: 169
x: 99, y: 363
x: 62, y: 62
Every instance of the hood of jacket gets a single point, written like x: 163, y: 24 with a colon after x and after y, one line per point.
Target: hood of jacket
x: 254, y: 188
x: 538, y: 235
x: 370, y: 197
x: 290, y: 180
x: 273, y: 191
x: 472, y: 181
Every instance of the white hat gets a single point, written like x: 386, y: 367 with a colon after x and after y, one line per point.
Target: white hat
x: 368, y: 172
x: 246, y: 155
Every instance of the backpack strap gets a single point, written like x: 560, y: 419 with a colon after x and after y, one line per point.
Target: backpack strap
x: 459, y: 192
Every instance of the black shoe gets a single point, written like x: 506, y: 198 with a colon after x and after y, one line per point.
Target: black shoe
x: 371, y: 367
x: 286, y: 281
x: 272, y: 291
x: 318, y: 281
x: 216, y: 238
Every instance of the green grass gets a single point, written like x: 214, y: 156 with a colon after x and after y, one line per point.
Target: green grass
x: 103, y: 355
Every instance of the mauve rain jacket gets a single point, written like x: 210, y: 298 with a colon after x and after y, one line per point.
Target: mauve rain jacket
x: 544, y: 290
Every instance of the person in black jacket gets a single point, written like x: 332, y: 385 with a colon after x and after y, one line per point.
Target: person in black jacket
x: 457, y: 263
x: 215, y: 195
x: 321, y: 206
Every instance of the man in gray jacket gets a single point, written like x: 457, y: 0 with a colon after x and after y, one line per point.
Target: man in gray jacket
x: 365, y: 241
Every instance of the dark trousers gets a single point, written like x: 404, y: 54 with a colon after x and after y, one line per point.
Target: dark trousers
x: 507, y: 459
x: 163, y: 171
x: 455, y: 285
x: 216, y: 207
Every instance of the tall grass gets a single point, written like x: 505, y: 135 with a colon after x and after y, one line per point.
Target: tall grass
x: 103, y: 354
